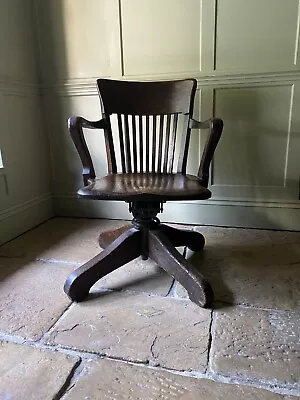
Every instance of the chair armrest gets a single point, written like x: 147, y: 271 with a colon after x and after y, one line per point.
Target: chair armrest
x: 75, y: 125
x: 216, y: 127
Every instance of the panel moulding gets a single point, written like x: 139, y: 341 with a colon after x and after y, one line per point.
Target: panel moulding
x: 88, y: 86
x: 18, y: 87
x: 285, y: 189
x: 117, y: 38
x: 281, y: 66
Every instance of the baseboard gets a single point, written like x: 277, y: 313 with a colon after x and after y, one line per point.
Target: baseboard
x: 279, y: 218
x: 23, y: 217
x: 71, y: 206
x: 263, y: 216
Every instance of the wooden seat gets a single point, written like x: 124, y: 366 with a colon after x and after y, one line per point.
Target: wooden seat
x: 147, y: 128
x: 148, y: 187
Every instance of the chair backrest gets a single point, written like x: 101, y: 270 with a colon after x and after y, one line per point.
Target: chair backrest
x: 150, y: 117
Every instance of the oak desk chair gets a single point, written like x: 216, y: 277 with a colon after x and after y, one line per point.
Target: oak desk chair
x: 152, y: 117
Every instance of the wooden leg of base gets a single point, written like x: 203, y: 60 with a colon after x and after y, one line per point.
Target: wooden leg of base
x: 107, y: 237
x: 183, y: 237
x: 126, y: 248
x: 167, y: 257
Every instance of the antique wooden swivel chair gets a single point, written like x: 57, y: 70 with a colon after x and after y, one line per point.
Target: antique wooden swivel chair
x: 150, y: 118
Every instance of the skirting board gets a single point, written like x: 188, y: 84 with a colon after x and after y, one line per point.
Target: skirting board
x: 23, y: 217
x: 246, y: 216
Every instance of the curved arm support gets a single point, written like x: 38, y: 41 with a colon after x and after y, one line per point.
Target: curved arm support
x: 75, y: 125
x: 216, y: 127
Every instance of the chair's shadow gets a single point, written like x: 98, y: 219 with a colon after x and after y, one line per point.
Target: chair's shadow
x: 136, y: 285
x: 260, y: 275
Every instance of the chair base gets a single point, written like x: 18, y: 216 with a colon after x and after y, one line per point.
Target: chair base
x: 146, y: 237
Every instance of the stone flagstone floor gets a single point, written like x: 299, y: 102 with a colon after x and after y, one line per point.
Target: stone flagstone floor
x: 138, y: 336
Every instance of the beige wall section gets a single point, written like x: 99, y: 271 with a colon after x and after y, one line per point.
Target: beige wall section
x: 258, y: 124
x: 149, y: 32
x: 253, y: 35
x: 25, y: 199
x: 244, y: 54
x: 67, y: 166
x: 17, y: 35
x: 73, y: 38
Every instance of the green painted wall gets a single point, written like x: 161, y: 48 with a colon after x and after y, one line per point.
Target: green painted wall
x: 245, y: 56
x: 25, y: 178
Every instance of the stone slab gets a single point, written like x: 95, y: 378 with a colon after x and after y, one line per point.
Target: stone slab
x: 106, y: 379
x: 251, y: 267
x: 138, y: 276
x: 156, y: 330
x: 243, y: 236
x: 31, y: 373
x: 62, y: 239
x: 31, y: 296
x: 258, y: 344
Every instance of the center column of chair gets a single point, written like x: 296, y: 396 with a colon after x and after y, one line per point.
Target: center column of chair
x: 144, y: 219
